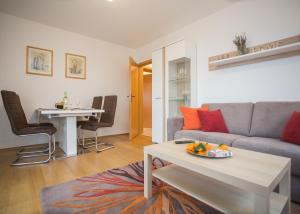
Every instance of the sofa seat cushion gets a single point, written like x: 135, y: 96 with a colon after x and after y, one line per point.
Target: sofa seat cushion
x: 272, y: 146
x: 211, y: 137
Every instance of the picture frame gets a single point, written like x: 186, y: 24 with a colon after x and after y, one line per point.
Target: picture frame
x: 39, y: 61
x: 75, y: 66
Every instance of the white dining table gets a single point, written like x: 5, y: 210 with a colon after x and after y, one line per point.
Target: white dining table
x: 67, y: 129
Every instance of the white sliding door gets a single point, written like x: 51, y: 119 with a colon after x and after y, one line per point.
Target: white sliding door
x: 158, y: 115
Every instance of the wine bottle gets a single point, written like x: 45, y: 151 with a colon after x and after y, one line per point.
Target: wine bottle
x: 65, y: 100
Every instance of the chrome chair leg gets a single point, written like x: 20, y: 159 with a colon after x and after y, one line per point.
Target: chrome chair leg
x: 80, y: 142
x: 96, y: 144
x: 86, y: 145
x: 31, y: 156
x: 23, y: 151
x: 106, y: 145
x: 78, y: 136
x: 50, y: 152
x: 83, y: 142
x: 54, y: 145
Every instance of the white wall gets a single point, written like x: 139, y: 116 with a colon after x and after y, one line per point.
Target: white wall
x: 107, y: 73
x: 263, y: 21
x: 107, y: 64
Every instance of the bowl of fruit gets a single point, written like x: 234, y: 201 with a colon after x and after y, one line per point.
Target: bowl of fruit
x: 205, y: 149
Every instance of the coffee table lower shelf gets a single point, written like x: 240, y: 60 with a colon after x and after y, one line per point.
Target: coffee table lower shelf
x: 216, y: 194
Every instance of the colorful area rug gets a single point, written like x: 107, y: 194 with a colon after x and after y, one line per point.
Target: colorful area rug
x: 119, y: 190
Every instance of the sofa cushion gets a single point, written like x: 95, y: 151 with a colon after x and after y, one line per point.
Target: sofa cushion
x: 211, y: 137
x: 212, y: 121
x: 291, y: 131
x: 237, y: 116
x: 272, y: 146
x: 270, y: 118
x: 191, y: 118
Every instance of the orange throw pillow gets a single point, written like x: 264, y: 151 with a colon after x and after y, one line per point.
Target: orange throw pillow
x: 191, y: 118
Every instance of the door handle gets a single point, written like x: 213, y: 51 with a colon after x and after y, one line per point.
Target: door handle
x: 157, y: 98
x: 130, y: 97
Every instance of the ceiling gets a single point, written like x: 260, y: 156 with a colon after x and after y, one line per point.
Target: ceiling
x: 132, y: 23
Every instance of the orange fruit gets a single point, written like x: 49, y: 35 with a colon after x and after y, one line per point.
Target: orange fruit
x: 223, y: 147
x: 190, y: 147
x: 200, y: 152
x: 208, y: 147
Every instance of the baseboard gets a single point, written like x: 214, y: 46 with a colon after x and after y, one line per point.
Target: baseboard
x: 19, y: 147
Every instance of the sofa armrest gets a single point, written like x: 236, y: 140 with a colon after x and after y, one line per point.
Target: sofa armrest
x: 174, y: 124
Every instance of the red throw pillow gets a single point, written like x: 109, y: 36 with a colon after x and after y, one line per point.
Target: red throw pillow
x: 212, y: 121
x: 191, y: 119
x: 291, y: 132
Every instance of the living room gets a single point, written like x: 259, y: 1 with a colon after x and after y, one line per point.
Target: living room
x: 234, y: 60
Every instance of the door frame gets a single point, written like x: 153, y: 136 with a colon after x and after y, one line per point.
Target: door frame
x: 140, y: 96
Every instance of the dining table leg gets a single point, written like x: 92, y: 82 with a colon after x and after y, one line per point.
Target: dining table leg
x: 68, y: 136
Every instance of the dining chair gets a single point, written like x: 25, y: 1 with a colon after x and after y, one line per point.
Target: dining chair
x: 105, y: 120
x: 97, y: 104
x: 21, y: 127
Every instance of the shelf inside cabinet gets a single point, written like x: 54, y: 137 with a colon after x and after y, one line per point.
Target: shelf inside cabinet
x: 179, y: 85
x: 177, y: 99
x: 179, y: 80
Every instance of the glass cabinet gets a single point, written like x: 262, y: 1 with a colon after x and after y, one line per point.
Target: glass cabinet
x: 179, y: 85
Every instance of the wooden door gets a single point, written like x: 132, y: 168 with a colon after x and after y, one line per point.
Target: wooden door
x: 133, y: 99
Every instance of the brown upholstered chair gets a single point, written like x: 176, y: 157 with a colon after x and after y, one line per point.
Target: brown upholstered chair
x: 106, y: 120
x: 21, y: 127
x: 97, y: 104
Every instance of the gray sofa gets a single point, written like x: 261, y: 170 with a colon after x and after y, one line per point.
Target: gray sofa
x: 256, y: 127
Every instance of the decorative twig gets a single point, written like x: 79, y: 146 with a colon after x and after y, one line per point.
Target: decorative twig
x: 240, y: 42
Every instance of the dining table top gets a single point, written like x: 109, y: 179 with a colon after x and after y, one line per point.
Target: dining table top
x: 72, y: 112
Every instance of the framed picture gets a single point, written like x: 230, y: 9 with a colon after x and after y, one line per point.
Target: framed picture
x: 39, y: 61
x: 75, y: 66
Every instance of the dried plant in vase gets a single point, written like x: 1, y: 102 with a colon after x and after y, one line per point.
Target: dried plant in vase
x: 240, y: 42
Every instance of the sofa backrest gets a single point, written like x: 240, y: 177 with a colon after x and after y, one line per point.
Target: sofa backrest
x: 270, y: 118
x: 237, y: 116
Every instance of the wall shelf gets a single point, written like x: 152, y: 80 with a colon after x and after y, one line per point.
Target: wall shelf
x: 270, y: 51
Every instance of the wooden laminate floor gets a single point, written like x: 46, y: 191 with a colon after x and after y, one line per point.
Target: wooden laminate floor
x: 20, y: 186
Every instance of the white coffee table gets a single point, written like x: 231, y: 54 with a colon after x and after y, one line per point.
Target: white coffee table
x: 243, y: 183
